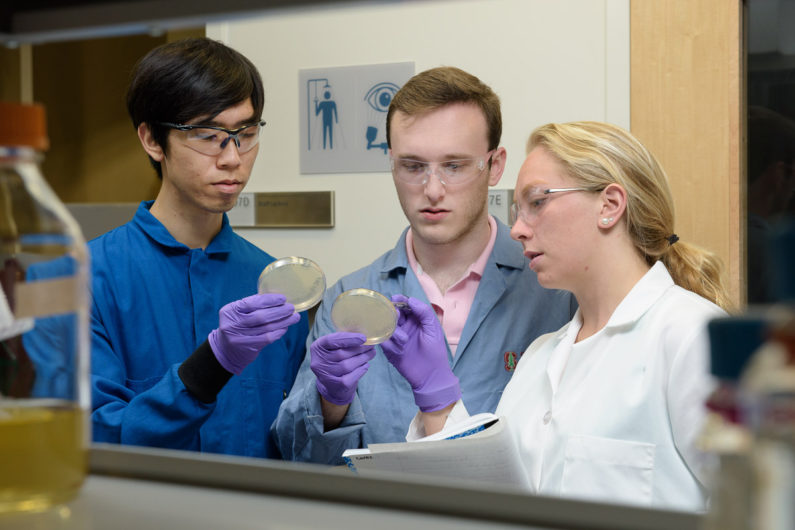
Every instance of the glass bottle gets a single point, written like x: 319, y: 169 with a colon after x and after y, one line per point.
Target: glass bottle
x: 44, y: 326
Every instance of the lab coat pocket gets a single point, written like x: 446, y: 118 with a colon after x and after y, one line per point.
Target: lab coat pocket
x: 606, y: 469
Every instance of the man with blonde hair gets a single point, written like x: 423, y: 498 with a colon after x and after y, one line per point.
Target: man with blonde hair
x: 443, y: 131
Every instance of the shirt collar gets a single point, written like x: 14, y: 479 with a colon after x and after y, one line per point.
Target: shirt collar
x: 506, y: 251
x: 640, y: 298
x: 153, y: 228
x: 397, y: 257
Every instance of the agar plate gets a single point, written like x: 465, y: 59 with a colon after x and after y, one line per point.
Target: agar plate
x: 367, y: 312
x: 300, y: 280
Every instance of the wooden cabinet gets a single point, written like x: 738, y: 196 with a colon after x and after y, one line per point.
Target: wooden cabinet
x: 688, y: 106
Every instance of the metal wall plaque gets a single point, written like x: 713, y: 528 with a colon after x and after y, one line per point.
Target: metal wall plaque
x: 284, y: 209
x: 500, y: 204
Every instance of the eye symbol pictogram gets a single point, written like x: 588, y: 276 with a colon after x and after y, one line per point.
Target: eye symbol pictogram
x: 380, y: 96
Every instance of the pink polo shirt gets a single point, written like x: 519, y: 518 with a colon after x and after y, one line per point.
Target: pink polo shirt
x: 453, y: 307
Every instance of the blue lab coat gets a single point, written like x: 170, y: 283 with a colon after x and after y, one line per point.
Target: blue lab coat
x: 155, y: 301
x: 509, y: 311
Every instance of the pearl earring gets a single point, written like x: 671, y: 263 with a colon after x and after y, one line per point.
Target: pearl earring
x: 607, y: 220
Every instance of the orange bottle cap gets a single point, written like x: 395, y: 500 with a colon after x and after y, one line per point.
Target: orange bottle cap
x: 23, y: 125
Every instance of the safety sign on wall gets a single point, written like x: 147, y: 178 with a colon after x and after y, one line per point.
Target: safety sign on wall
x: 343, y: 116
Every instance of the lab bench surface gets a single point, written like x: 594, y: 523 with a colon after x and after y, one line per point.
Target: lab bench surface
x: 134, y: 488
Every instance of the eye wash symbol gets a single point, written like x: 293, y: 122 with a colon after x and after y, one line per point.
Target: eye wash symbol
x: 378, y: 97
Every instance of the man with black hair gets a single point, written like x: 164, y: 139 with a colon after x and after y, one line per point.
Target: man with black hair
x: 185, y: 354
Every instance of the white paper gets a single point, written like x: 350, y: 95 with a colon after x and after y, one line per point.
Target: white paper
x: 489, y: 455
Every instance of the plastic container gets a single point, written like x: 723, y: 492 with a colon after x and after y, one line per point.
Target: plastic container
x: 367, y: 312
x: 44, y: 326
x: 726, y: 436
x: 300, y: 280
x: 768, y: 385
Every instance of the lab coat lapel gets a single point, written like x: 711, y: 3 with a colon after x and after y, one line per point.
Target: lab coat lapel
x: 559, y: 357
x: 491, y: 288
x: 506, y: 254
x: 412, y: 287
x: 396, y: 265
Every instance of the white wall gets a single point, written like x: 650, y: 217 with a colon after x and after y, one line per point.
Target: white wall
x: 548, y: 60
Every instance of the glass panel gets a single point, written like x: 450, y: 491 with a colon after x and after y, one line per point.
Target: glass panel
x: 771, y: 132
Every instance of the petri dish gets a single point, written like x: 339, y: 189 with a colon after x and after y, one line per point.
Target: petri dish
x: 367, y: 312
x: 300, y: 280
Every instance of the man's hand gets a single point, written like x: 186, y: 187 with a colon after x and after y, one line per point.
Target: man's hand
x: 246, y: 326
x: 418, y: 350
x: 339, y: 360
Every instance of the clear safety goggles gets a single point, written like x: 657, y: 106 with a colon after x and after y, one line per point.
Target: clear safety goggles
x: 211, y: 140
x: 449, y: 172
x: 532, y: 207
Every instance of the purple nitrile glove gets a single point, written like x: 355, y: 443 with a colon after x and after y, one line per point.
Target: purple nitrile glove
x: 247, y: 325
x: 339, y: 360
x: 418, y: 350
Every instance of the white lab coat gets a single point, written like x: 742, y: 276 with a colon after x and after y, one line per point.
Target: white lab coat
x: 615, y: 417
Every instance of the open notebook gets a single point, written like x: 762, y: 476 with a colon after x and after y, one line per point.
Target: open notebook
x: 479, y: 448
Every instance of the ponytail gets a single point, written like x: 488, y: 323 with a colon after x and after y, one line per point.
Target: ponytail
x: 697, y: 270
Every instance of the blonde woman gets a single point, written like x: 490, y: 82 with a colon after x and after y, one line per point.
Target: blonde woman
x: 608, y: 407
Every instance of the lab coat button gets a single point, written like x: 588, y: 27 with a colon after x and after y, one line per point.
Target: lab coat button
x: 547, y: 417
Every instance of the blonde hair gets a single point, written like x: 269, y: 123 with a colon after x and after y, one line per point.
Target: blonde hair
x: 598, y: 154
